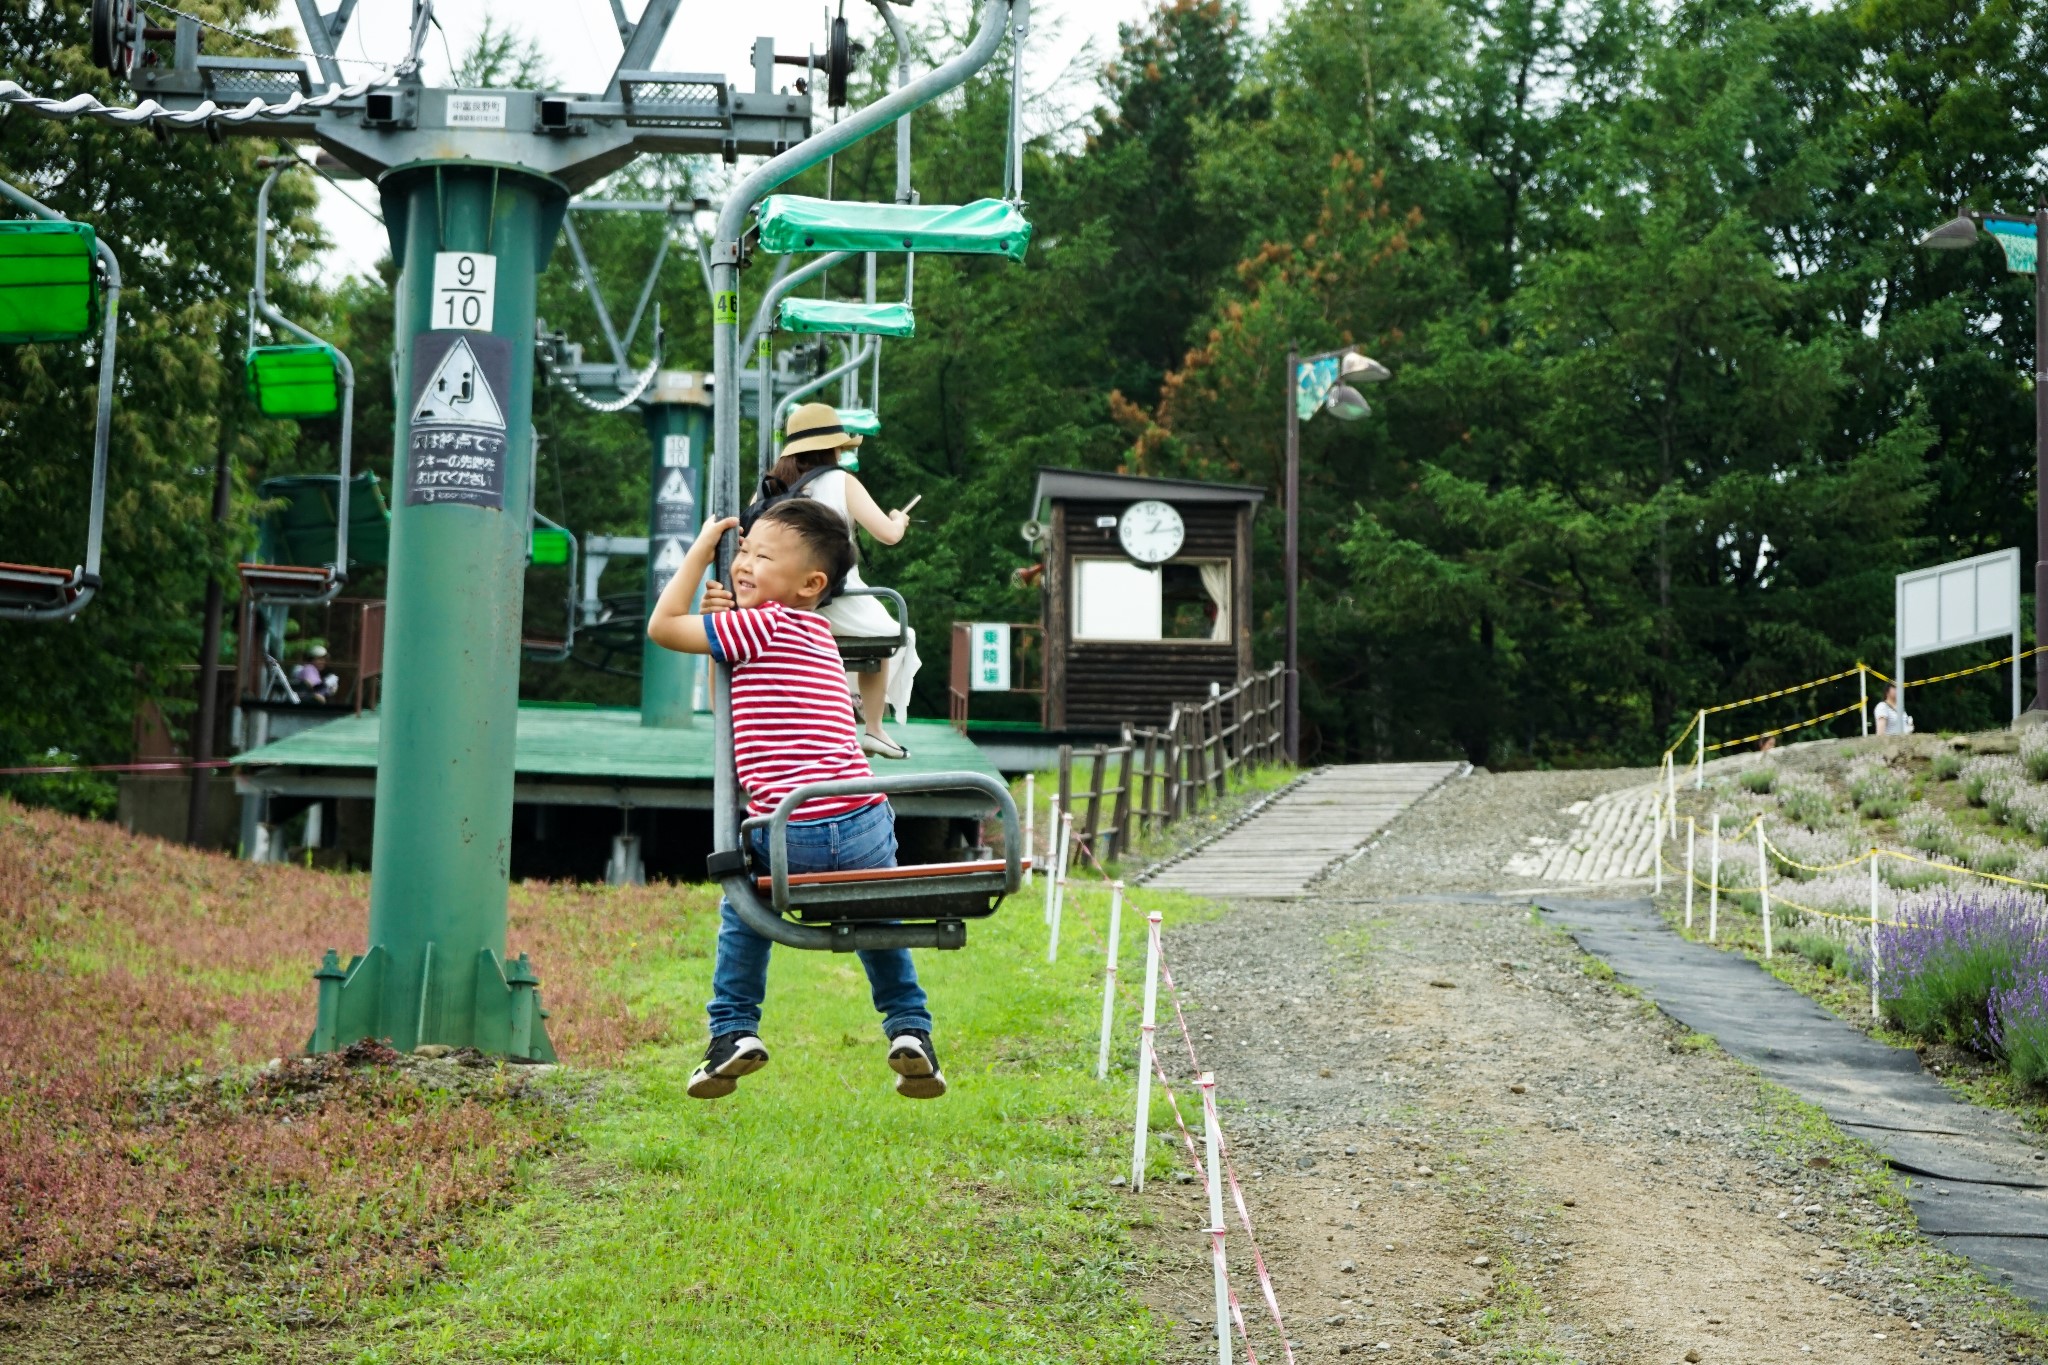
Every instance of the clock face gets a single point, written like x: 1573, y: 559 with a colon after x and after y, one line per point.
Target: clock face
x: 1151, y: 531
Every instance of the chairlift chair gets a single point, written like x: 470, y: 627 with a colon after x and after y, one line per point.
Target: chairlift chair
x: 56, y: 279
x: 296, y: 381
x: 550, y: 543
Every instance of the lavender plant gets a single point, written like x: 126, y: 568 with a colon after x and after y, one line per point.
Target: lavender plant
x: 1949, y: 952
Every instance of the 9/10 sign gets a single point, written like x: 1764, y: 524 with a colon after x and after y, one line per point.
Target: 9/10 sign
x: 465, y: 291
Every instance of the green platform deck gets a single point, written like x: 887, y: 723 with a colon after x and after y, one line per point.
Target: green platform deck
x: 585, y: 756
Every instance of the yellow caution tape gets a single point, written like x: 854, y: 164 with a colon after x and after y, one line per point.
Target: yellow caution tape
x: 1785, y: 691
x: 1785, y: 729
x: 1965, y: 672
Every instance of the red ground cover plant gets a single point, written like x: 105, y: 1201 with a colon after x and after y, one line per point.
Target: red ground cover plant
x: 139, y: 982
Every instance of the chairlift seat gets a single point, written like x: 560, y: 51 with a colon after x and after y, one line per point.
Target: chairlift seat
x: 860, y: 421
x: 288, y: 584
x: 549, y: 545
x: 843, y: 315
x: 296, y: 381
x: 986, y: 227
x: 963, y: 890
x: 46, y: 280
x: 36, y: 587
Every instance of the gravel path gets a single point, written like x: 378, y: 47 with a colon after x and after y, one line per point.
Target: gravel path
x: 1460, y: 1143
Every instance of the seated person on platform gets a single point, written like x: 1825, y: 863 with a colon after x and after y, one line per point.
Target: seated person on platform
x: 310, y: 681
x: 792, y: 723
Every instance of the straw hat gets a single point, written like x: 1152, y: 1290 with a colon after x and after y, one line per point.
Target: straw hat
x: 815, y: 426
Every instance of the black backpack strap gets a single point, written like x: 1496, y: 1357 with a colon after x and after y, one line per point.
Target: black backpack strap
x: 808, y: 475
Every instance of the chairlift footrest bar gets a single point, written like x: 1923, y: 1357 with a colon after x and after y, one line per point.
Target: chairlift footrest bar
x: 948, y: 935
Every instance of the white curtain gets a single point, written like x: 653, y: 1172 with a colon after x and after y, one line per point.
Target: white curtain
x: 1216, y: 582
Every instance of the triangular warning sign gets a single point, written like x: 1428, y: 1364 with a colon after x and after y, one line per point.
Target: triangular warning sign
x: 674, y: 488
x: 457, y: 392
x: 670, y: 560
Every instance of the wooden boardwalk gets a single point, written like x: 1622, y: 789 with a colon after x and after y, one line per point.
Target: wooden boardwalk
x: 1277, y: 853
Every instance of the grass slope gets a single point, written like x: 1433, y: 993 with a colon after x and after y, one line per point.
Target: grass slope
x: 815, y: 1215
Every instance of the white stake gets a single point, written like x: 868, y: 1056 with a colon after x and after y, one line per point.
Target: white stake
x: 1212, y: 1133
x: 1145, y: 1051
x: 1052, y: 854
x: 1763, y: 886
x: 1691, y: 828
x: 1671, y: 787
x: 1714, y: 882
x: 1116, y: 925
x: 1030, y: 816
x: 1657, y: 846
x: 1863, y: 697
x: 1699, y: 761
x: 1059, y: 889
x: 1876, y: 1013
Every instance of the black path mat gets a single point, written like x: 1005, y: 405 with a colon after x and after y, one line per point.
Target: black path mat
x: 1974, y: 1183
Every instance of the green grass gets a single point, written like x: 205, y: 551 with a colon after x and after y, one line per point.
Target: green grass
x: 816, y: 1216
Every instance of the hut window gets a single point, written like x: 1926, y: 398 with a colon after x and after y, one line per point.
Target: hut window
x: 1195, y: 599
x: 1115, y: 599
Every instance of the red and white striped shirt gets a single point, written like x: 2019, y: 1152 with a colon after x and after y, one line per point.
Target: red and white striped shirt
x: 792, y: 720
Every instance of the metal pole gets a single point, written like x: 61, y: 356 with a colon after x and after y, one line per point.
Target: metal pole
x: 1116, y: 923
x: 435, y: 970
x: 1052, y: 853
x: 1212, y: 1143
x: 1292, y: 557
x: 1763, y: 886
x: 1657, y: 844
x: 1146, y: 1022
x: 1714, y: 883
x: 209, y: 665
x: 1863, y: 693
x: 1059, y: 893
x: 1030, y: 816
x: 2040, y: 462
x: 678, y: 416
x: 1699, y: 760
x: 1691, y: 830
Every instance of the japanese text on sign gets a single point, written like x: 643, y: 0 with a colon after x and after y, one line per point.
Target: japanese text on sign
x: 990, y: 665
x: 457, y: 447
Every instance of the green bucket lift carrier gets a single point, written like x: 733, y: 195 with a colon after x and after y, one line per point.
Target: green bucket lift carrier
x: 56, y: 279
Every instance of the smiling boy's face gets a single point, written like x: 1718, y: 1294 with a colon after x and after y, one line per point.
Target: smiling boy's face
x: 774, y: 565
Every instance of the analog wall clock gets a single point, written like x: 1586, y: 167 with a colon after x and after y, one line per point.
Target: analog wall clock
x: 1151, y: 531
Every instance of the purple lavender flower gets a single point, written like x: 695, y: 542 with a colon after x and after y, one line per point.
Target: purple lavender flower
x: 1953, y: 953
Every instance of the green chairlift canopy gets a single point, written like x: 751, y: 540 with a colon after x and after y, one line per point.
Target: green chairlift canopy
x: 837, y: 315
x: 301, y: 531
x: 46, y: 281
x: 860, y: 421
x: 294, y: 381
x: 986, y: 227
x: 550, y: 545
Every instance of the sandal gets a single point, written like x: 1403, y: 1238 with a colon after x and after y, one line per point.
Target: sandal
x: 881, y: 746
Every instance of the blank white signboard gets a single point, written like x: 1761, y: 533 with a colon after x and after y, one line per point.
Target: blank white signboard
x: 1959, y: 604
x: 1115, y: 599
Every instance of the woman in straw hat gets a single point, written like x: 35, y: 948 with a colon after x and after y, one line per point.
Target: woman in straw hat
x: 813, y: 439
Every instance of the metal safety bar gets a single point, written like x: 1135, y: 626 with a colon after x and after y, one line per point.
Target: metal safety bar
x: 864, y: 653
x: 882, y: 888
x: 83, y: 584
x: 259, y: 303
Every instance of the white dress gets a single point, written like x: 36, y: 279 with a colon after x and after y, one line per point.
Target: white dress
x: 866, y: 616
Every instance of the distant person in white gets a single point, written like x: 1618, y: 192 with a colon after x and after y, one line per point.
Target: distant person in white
x: 1890, y: 719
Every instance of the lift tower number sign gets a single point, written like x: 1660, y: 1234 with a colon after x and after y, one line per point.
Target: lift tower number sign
x: 465, y: 290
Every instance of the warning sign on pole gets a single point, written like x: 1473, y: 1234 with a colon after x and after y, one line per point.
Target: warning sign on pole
x: 457, y: 449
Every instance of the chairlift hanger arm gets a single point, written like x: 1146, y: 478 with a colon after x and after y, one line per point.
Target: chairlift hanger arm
x: 260, y: 300
x: 84, y: 584
x: 643, y: 43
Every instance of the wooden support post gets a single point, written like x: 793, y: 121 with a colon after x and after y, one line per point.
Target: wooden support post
x: 1066, y: 791
x: 1148, y: 815
x: 1093, y: 829
x: 1120, y: 811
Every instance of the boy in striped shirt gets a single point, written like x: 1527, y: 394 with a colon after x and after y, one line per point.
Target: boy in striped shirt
x: 792, y: 723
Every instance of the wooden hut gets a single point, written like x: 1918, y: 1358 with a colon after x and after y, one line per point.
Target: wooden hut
x: 1147, y: 593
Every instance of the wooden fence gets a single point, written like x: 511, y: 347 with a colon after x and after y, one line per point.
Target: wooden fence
x: 1155, y: 776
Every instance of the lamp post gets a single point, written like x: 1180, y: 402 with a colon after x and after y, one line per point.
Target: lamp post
x: 2021, y: 235
x: 1316, y: 382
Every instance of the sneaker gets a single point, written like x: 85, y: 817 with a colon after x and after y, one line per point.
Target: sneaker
x: 916, y: 1064
x: 730, y: 1056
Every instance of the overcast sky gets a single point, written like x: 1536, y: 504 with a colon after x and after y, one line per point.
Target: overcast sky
x: 581, y: 44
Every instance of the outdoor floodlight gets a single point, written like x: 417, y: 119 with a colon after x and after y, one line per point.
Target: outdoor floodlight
x: 1957, y: 234
x: 1345, y: 403
x: 1364, y: 369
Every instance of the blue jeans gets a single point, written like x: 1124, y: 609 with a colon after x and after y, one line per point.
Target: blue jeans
x: 739, y: 978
